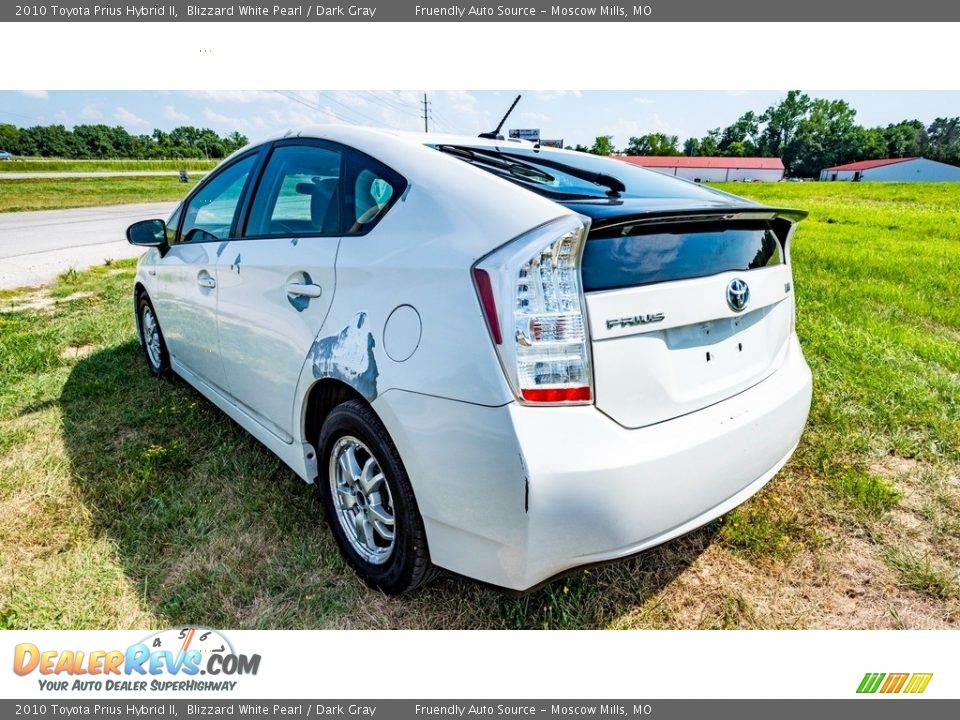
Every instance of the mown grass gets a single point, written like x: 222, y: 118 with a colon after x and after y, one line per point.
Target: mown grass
x: 58, y: 193
x: 133, y: 502
x: 23, y: 165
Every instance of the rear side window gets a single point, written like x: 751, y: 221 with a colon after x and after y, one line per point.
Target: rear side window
x: 373, y: 188
x: 299, y: 193
x: 628, y: 256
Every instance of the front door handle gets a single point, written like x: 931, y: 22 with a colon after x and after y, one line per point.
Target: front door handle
x: 305, y: 289
x: 205, y: 280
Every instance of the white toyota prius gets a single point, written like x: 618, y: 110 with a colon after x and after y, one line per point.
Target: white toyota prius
x: 491, y: 357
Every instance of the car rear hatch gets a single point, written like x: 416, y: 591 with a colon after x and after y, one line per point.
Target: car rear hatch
x: 686, y: 307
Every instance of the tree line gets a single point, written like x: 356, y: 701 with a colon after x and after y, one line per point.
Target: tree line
x: 807, y: 134
x: 102, y: 142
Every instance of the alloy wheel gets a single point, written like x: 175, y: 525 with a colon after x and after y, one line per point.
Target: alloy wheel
x: 362, y: 500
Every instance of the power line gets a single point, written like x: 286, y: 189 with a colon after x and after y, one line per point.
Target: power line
x: 351, y: 109
x: 395, y: 106
x: 442, y: 120
x: 296, y: 98
x: 290, y: 95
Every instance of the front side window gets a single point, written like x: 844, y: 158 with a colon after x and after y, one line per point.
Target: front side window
x: 299, y: 193
x: 209, y: 214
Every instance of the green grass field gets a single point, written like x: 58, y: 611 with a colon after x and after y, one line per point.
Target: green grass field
x: 23, y: 165
x: 57, y: 193
x: 132, y: 502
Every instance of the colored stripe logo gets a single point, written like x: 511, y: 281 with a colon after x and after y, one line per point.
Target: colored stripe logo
x: 913, y: 683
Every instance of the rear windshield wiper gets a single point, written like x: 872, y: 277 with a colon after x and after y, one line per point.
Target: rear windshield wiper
x: 515, y: 167
x: 614, y: 185
x: 609, y: 181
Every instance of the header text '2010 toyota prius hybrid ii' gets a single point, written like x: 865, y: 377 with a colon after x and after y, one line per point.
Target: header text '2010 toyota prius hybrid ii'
x: 491, y: 357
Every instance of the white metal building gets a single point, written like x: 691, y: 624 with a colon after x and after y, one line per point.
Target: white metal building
x: 711, y: 169
x: 912, y: 169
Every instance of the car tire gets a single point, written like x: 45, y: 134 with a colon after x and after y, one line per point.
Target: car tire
x: 151, y: 337
x: 369, y: 503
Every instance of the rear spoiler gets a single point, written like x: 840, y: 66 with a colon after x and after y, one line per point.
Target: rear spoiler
x: 707, y: 215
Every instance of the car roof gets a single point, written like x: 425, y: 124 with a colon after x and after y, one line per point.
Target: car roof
x: 416, y: 138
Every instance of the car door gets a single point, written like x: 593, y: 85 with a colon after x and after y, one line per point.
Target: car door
x: 187, y: 275
x: 277, y: 281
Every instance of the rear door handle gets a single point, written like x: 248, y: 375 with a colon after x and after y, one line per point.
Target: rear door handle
x: 304, y: 289
x: 206, y: 280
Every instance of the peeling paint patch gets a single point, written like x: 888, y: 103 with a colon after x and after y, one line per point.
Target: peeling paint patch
x: 221, y: 247
x: 348, y: 356
x: 236, y: 264
x: 294, y: 241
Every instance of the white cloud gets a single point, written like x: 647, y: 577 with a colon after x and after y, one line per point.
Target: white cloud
x: 640, y: 100
x: 213, y: 116
x: 35, y: 94
x: 460, y: 101
x: 234, y: 96
x: 171, y: 113
x: 534, y: 117
x: 89, y: 112
x: 667, y: 127
x: 127, y: 118
x: 551, y: 95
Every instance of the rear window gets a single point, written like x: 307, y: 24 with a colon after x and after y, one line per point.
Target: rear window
x: 637, y: 255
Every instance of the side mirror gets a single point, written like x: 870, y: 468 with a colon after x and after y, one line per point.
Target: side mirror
x: 148, y: 233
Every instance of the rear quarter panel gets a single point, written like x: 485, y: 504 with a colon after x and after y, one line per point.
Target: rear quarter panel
x: 420, y: 255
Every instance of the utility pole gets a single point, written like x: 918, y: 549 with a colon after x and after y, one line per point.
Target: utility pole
x: 426, y: 113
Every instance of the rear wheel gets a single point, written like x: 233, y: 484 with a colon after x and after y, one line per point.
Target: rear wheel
x: 151, y: 337
x: 369, y: 502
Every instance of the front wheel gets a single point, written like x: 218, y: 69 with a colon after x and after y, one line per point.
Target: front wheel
x: 151, y: 337
x: 369, y: 502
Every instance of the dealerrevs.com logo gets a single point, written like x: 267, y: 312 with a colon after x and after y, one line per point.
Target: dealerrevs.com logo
x: 180, y: 659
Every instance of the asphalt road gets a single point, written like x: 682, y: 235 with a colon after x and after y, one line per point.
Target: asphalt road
x: 95, y: 174
x: 37, y: 246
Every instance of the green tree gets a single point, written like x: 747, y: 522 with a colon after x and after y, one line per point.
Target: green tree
x: 827, y: 136
x: 653, y: 144
x: 741, y: 138
x: 710, y: 143
x: 603, y: 145
x: 944, y: 140
x: 781, y: 122
x: 905, y: 139
x: 10, y: 138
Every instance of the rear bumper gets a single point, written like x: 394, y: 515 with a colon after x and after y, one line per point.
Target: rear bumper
x: 521, y: 494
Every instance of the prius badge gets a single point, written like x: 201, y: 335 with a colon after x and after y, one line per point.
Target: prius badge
x: 635, y: 320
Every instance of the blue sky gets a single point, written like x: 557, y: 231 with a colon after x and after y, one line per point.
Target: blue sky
x: 576, y: 117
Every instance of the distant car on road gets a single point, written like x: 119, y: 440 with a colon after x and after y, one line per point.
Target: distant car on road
x: 498, y: 359
x: 4, y: 155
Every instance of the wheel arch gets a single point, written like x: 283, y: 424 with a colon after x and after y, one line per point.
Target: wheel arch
x: 322, y: 397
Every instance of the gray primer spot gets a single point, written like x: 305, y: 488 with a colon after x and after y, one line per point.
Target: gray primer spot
x: 236, y: 265
x: 294, y: 241
x: 348, y: 356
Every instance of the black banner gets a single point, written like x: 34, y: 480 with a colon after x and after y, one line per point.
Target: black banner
x: 514, y: 11
x: 854, y: 709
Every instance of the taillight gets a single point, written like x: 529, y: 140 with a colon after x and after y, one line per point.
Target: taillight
x: 531, y: 295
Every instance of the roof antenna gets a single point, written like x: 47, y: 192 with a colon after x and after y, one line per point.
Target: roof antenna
x: 495, y: 135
